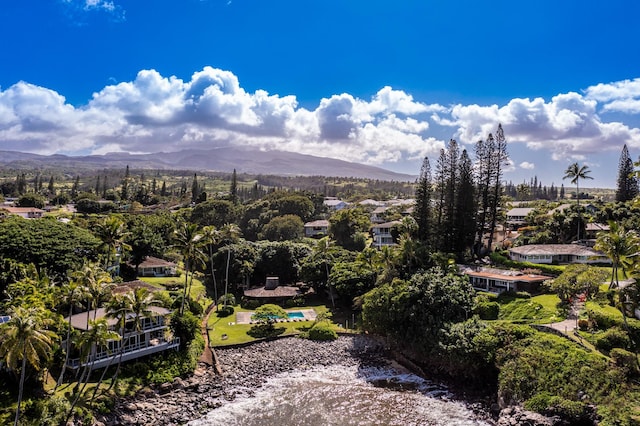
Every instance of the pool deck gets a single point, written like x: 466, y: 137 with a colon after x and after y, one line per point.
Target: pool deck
x: 309, y: 315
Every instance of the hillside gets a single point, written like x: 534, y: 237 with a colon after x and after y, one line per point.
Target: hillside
x: 224, y: 159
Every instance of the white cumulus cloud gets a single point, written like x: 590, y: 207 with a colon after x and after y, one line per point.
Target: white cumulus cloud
x: 155, y: 113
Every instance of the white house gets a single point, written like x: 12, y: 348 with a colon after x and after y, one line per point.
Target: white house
x: 152, y: 337
x: 26, y: 212
x: 378, y: 214
x: 381, y: 233
x: 516, y: 216
x: 557, y: 253
x: 334, y: 204
x: 317, y: 228
x: 500, y: 280
x: 155, y: 267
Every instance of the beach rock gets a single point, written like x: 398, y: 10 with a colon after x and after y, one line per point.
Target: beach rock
x: 516, y: 416
x: 244, y: 370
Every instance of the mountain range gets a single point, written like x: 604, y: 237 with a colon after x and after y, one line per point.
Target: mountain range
x: 223, y: 159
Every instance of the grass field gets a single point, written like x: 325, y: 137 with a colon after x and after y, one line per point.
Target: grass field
x: 198, y: 290
x: 540, y: 309
x: 237, y: 333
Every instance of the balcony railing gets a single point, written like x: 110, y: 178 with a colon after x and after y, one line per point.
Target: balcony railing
x: 103, y: 357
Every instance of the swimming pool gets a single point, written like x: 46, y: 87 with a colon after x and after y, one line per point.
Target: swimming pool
x: 295, y: 315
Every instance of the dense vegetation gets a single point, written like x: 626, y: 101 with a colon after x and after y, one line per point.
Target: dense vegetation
x: 228, y: 232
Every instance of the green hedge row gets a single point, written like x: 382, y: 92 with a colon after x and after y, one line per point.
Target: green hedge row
x: 502, y: 259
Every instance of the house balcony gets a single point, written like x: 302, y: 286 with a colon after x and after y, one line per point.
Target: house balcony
x: 103, y: 358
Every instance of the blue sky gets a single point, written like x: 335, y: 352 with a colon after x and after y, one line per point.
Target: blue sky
x: 379, y: 82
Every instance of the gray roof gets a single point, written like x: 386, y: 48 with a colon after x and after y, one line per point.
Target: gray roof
x: 79, y: 321
x: 520, y: 211
x: 280, y: 291
x: 154, y: 262
x: 317, y: 224
x: 555, y: 249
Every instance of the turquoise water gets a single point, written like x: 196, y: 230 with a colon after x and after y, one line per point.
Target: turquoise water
x: 295, y: 315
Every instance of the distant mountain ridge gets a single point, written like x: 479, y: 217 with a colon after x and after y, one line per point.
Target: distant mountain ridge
x: 224, y: 159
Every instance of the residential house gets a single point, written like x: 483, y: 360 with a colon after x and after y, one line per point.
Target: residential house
x: 499, y: 280
x: 381, y: 233
x: 516, y: 216
x: 592, y: 229
x: 557, y: 253
x: 155, y: 267
x: 589, y: 208
x: 378, y: 214
x: 152, y: 337
x: 369, y: 202
x: 26, y: 212
x: 317, y: 228
x: 335, y: 204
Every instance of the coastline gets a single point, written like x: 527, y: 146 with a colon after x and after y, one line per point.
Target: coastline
x: 246, y: 369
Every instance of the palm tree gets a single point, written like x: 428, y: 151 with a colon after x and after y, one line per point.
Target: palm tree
x: 230, y: 232
x: 321, y: 251
x: 96, y: 284
x: 621, y: 246
x: 112, y: 233
x: 211, y: 237
x: 97, y: 336
x: 24, y: 338
x: 188, y: 242
x: 576, y: 172
x: 136, y: 303
x: 71, y: 294
x: 117, y: 308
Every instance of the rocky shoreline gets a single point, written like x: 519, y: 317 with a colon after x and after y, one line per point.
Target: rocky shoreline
x: 244, y: 370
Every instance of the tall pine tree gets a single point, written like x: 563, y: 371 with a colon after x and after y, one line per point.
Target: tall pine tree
x: 466, y: 209
x: 627, y: 188
x: 233, y: 190
x: 450, y: 195
x: 491, y: 158
x: 422, y: 210
x: 500, y: 161
x: 195, y: 188
x: 124, y: 193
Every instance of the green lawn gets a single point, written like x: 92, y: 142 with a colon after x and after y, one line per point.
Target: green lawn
x: 539, y: 309
x: 237, y: 333
x: 198, y: 290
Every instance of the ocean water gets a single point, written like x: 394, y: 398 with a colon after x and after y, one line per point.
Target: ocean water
x: 344, y: 396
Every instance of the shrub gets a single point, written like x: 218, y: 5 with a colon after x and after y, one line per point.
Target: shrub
x: 295, y: 302
x: 186, y: 327
x: 225, y: 311
x: 486, y: 297
x: 550, y: 405
x: 487, y: 310
x: 265, y: 330
x: 195, y: 307
x: 322, y: 332
x: 509, y: 295
x: 523, y: 295
x: 583, y: 324
x: 612, y: 338
x: 602, y: 319
x: 249, y: 303
x: 47, y: 412
x: 502, y: 259
x: 625, y: 360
